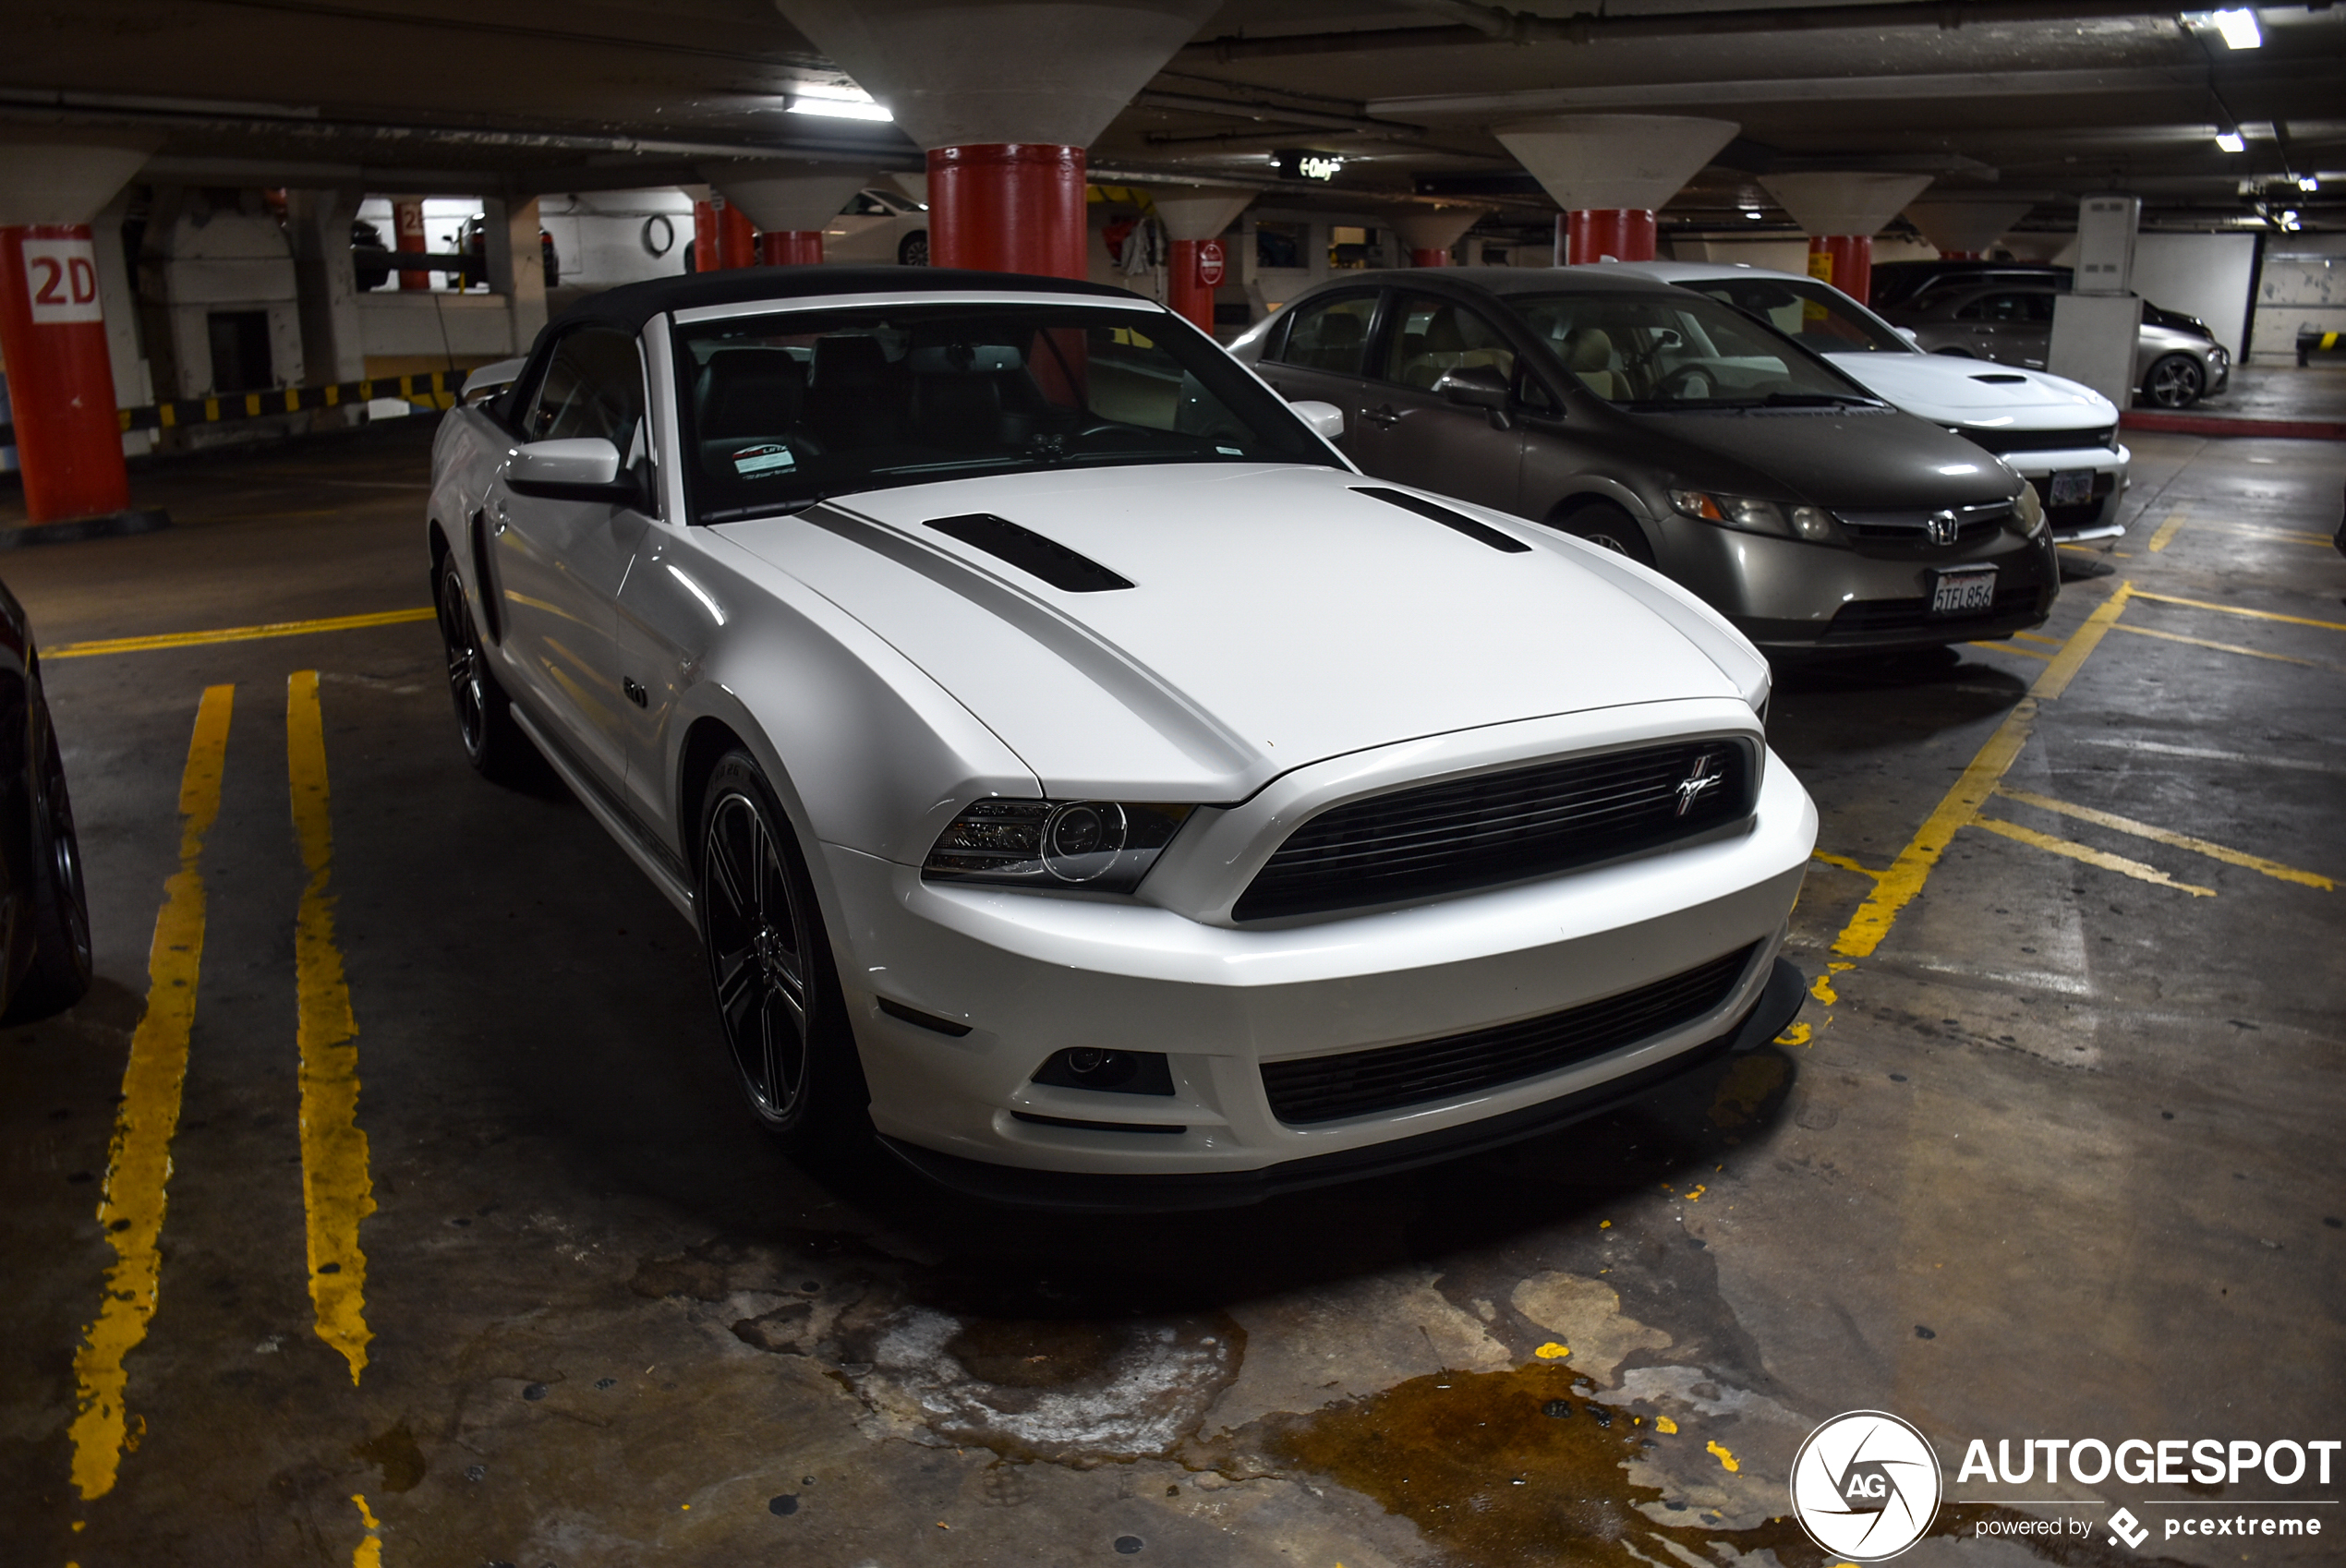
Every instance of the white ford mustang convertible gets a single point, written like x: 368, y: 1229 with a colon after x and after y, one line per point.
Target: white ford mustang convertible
x: 1079, y: 774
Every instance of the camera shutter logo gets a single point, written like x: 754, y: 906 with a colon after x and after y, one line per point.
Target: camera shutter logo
x: 1865, y: 1486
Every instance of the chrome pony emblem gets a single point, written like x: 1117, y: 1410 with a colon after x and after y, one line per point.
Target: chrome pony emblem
x: 1942, y: 527
x: 1694, y: 786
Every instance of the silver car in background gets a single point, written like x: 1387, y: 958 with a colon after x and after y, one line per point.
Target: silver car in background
x: 2011, y: 322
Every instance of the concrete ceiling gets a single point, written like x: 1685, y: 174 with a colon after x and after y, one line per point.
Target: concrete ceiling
x: 2028, y: 99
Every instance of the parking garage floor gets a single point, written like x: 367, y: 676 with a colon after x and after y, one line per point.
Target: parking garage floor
x: 2053, y: 1152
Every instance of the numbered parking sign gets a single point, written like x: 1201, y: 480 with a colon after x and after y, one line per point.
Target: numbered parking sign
x: 61, y: 281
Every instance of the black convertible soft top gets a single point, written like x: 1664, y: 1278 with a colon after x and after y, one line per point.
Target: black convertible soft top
x: 630, y: 305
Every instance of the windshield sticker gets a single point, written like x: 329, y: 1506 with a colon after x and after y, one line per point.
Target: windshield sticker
x: 764, y: 460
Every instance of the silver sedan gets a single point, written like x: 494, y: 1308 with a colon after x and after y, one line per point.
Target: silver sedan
x: 2012, y: 324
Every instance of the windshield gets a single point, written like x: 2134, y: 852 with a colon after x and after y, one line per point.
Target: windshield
x: 1818, y: 316
x: 1665, y: 354
x: 784, y: 409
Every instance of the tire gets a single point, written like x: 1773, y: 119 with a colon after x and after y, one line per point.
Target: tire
x: 493, y: 743
x: 770, y: 972
x: 2174, y: 381
x: 59, y: 975
x: 1608, y: 527
x: 913, y: 251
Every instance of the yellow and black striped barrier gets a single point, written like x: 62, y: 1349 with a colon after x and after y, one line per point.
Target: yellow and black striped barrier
x: 435, y: 389
x: 2311, y: 343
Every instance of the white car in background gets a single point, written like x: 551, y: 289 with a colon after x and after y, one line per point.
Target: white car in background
x: 2062, y: 436
x: 878, y: 226
x: 1077, y: 770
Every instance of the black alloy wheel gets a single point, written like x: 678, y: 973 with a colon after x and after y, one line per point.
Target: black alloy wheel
x: 58, y: 975
x: 769, y: 966
x: 494, y: 742
x: 914, y: 249
x: 1610, y: 527
x: 2175, y: 381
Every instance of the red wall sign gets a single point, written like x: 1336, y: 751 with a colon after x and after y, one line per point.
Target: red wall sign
x: 1209, y: 263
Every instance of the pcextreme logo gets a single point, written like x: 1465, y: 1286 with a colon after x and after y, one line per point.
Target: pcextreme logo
x: 1865, y: 1486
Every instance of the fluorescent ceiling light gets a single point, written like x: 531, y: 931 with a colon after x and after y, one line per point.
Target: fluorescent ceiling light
x: 2229, y: 140
x: 836, y: 102
x: 2239, y: 27
x: 2307, y: 181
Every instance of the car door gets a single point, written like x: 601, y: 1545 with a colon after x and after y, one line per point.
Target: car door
x: 1411, y: 433
x: 2029, y: 339
x: 559, y: 565
x: 1994, y: 326
x: 1322, y: 356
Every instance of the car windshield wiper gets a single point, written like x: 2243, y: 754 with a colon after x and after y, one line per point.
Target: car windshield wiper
x: 1819, y: 400
x: 777, y: 509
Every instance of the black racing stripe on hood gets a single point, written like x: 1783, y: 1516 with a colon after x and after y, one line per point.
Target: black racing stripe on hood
x: 1481, y: 533
x: 1030, y: 553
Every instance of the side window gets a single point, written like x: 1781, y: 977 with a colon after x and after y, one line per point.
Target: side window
x: 1432, y: 336
x: 594, y: 386
x: 1999, y: 307
x: 2040, y: 309
x: 1331, y: 335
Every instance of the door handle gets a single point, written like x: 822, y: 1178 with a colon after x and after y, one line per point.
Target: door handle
x: 635, y: 693
x: 1384, y: 415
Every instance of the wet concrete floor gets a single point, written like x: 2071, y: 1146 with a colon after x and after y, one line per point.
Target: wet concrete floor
x: 2054, y: 1152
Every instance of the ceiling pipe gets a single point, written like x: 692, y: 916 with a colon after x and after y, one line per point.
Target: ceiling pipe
x: 1256, y: 109
x: 1523, y: 28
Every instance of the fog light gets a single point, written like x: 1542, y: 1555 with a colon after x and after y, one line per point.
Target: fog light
x: 1113, y: 1072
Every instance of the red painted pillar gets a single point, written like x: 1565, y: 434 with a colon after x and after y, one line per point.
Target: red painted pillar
x: 1844, y: 261
x: 407, y: 230
x: 1429, y: 258
x: 705, y: 258
x: 736, y: 238
x: 791, y: 248
x: 1196, y: 269
x: 60, y: 376
x: 1963, y: 256
x: 1590, y: 233
x: 1008, y: 206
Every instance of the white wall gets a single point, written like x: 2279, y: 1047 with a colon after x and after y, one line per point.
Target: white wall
x: 2303, y: 286
x: 2202, y: 276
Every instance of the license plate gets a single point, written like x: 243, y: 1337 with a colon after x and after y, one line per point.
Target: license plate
x: 1961, y: 593
x: 2073, y: 488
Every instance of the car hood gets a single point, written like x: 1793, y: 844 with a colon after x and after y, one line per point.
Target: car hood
x: 1857, y: 458
x: 1275, y: 618
x: 1972, y: 391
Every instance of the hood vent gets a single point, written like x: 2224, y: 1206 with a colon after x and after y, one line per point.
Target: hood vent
x: 1481, y: 533
x: 1030, y: 553
x: 2005, y: 379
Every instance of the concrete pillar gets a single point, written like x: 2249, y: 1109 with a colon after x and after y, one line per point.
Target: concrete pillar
x: 1430, y: 232
x: 517, y: 265
x: 52, y: 332
x: 326, y: 284
x: 788, y: 201
x: 1965, y: 231
x: 1611, y: 173
x: 1841, y: 212
x: 1003, y: 99
x: 407, y: 233
x: 1195, y: 218
x: 134, y: 384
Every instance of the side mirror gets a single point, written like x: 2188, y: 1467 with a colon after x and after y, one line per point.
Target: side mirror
x: 1473, y: 386
x: 1910, y: 334
x: 1326, y: 418
x: 585, y: 468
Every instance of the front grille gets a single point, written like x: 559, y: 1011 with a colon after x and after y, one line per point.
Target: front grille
x: 1866, y: 616
x: 1911, y: 526
x: 1497, y: 827
x: 2041, y: 440
x: 1362, y: 1083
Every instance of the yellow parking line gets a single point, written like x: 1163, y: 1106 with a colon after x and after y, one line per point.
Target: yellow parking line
x: 2179, y: 840
x: 2007, y: 648
x: 337, y: 1191
x: 138, y: 1163
x: 2076, y: 851
x: 2231, y: 648
x: 1906, y: 876
x: 2039, y: 637
x: 2236, y: 610
x: 1845, y: 863
x: 235, y: 634
x: 2167, y: 530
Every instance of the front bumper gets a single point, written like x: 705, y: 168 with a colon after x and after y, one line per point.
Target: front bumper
x: 2096, y: 519
x: 1792, y: 597
x: 1030, y: 974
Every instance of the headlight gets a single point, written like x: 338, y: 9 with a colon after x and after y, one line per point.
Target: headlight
x: 1755, y: 516
x: 1107, y: 846
x: 2029, y: 508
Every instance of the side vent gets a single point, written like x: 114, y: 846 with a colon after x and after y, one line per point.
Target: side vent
x: 493, y: 603
x: 1030, y: 553
x: 1481, y: 533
